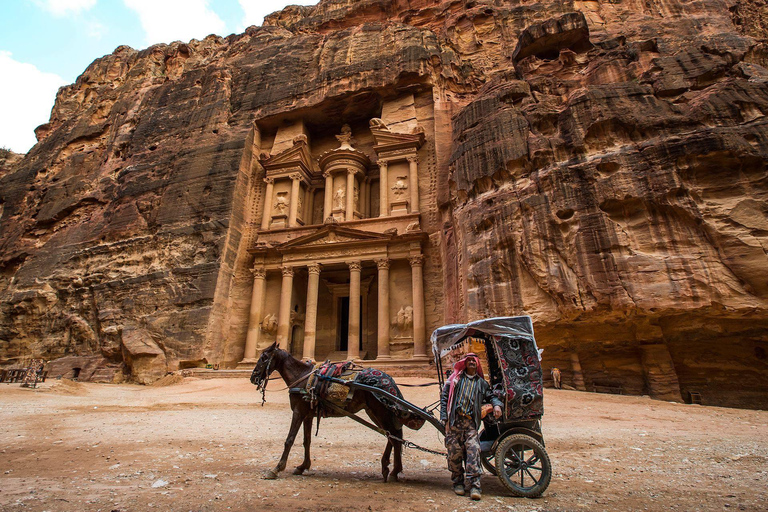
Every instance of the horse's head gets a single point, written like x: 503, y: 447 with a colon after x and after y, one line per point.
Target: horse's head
x: 264, y: 367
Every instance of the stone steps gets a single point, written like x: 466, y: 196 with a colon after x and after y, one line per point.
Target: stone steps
x: 394, y: 367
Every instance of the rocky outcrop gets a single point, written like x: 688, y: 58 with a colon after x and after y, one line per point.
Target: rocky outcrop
x: 601, y: 166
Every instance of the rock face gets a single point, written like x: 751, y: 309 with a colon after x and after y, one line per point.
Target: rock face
x: 600, y: 166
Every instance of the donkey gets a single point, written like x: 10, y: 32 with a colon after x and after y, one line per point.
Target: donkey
x: 295, y: 373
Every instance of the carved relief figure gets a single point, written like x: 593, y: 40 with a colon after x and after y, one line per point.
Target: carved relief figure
x: 269, y: 325
x: 281, y: 203
x: 339, y: 198
x: 300, y: 208
x: 357, y: 197
x: 400, y: 186
x: 404, y: 322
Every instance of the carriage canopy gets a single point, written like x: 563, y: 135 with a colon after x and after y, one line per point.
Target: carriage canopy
x: 513, y: 356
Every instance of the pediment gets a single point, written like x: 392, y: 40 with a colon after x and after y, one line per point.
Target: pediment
x: 386, y: 139
x: 333, y: 234
x: 297, y: 155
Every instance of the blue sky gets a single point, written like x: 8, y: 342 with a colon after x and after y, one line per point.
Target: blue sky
x: 45, y: 44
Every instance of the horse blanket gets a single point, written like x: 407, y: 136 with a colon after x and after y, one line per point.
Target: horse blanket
x: 379, y: 379
x: 319, y: 387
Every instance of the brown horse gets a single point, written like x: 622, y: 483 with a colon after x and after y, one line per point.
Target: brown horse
x: 295, y: 374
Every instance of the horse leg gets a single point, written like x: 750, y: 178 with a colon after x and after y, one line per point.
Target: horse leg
x: 307, y: 440
x: 295, y: 424
x: 385, y: 460
x: 397, y: 467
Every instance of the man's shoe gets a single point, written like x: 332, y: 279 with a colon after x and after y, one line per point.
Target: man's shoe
x: 459, y: 490
x: 475, y: 494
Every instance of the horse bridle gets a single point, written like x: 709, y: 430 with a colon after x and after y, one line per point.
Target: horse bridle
x: 264, y: 379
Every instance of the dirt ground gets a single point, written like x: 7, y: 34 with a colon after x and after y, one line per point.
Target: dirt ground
x: 203, y: 445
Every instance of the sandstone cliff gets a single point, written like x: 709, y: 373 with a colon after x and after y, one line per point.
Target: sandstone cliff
x: 601, y: 166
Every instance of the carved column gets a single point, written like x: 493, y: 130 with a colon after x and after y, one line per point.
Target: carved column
x: 350, y: 213
x: 383, y: 190
x: 267, y: 213
x: 328, y: 199
x: 310, y: 324
x: 294, y: 209
x: 284, y: 313
x: 419, y: 323
x: 413, y: 182
x: 254, y: 318
x: 353, y: 336
x: 578, y: 377
x: 383, y: 318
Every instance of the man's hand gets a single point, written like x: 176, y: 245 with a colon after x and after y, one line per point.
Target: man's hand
x: 496, y: 412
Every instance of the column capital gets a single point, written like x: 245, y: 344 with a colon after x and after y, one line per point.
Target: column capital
x: 413, y: 159
x: 295, y: 176
x: 383, y: 164
x: 355, y: 266
x: 287, y: 271
x: 327, y: 174
x: 259, y: 272
x: 382, y: 264
x: 269, y: 181
x: 314, y: 268
x: 352, y: 171
x: 416, y: 261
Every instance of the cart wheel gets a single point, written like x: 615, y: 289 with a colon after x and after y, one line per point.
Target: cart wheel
x: 524, y: 464
x: 488, y: 460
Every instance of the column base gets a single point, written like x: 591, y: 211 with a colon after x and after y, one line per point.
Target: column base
x: 247, y: 363
x: 421, y: 357
x: 383, y: 358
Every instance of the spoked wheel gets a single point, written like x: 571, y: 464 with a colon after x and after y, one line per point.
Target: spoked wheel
x: 488, y: 460
x: 523, y: 466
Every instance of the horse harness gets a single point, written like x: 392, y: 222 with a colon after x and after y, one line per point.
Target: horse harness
x: 326, y: 393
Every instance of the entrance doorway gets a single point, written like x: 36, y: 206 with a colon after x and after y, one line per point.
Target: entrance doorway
x: 343, y: 327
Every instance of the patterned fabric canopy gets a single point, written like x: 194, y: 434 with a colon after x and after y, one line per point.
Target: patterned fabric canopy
x: 513, y: 359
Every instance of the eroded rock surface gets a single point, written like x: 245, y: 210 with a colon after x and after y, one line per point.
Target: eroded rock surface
x: 601, y: 166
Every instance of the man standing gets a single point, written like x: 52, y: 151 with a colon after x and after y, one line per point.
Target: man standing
x: 460, y: 404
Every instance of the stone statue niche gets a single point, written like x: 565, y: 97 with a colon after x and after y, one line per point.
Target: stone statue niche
x: 402, y: 328
x: 269, y: 324
x: 399, y: 205
x: 280, y: 210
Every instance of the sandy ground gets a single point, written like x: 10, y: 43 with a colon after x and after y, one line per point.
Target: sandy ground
x: 203, y: 445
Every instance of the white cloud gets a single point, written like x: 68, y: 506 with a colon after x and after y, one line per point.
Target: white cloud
x: 255, y: 10
x: 62, y: 7
x: 26, y: 98
x: 165, y: 21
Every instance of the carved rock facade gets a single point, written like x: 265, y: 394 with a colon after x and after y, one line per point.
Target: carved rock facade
x: 600, y: 166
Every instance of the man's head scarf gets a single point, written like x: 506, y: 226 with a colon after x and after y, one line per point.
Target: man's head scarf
x: 461, y: 365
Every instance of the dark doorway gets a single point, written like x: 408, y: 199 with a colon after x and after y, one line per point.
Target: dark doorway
x: 344, y: 323
x: 76, y: 373
x: 343, y: 327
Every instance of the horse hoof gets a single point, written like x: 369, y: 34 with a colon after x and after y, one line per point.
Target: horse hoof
x: 395, y: 478
x: 385, y: 474
x: 298, y: 471
x: 270, y: 475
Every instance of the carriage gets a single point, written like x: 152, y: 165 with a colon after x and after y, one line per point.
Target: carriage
x: 512, y: 447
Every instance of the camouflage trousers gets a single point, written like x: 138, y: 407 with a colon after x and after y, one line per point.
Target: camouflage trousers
x: 463, y: 446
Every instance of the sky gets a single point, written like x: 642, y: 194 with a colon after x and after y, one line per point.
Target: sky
x: 45, y: 44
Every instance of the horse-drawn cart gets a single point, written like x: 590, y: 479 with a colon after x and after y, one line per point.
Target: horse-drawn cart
x: 512, y: 447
